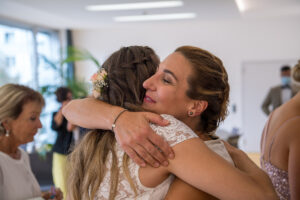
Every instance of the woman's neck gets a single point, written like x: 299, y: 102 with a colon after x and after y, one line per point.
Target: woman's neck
x: 193, y: 123
x: 8, y: 147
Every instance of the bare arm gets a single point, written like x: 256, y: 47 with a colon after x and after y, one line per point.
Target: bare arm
x: 212, y: 174
x: 132, y: 130
x: 245, y: 164
x: 181, y: 190
x: 58, y: 118
x: 87, y: 113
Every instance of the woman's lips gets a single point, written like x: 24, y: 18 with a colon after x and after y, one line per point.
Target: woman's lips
x: 148, y: 99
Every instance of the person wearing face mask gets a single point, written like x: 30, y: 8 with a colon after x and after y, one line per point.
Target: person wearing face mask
x: 279, y: 94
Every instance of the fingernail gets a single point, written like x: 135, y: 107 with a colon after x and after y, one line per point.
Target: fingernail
x: 143, y: 165
x: 165, y: 163
x: 171, y: 156
x: 166, y: 121
x: 156, y: 164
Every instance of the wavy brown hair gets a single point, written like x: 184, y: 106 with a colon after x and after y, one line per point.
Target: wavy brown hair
x: 126, y: 69
x: 208, y: 82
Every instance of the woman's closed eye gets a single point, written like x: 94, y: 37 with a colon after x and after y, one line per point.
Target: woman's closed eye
x: 32, y: 118
x: 166, y: 81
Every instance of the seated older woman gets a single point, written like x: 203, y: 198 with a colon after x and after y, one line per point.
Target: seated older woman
x: 20, y: 109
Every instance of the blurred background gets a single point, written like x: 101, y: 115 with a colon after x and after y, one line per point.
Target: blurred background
x: 254, y: 38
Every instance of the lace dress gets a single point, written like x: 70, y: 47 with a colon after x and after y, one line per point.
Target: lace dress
x: 175, y: 133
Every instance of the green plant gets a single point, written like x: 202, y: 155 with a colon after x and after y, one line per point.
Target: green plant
x: 78, y: 87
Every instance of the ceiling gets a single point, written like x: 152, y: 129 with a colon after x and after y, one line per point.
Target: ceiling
x: 72, y: 14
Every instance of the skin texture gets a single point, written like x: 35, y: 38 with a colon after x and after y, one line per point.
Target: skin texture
x: 284, y: 128
x: 23, y: 128
x: 187, y: 164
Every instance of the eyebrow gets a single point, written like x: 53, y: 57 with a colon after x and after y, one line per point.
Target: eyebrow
x: 169, y: 72
x: 34, y: 112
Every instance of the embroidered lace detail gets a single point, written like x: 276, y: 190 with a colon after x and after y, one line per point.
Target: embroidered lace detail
x: 175, y: 133
x: 279, y: 179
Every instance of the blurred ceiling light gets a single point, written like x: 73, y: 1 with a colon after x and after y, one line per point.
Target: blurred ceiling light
x: 241, y: 4
x: 134, y: 6
x: 172, y: 16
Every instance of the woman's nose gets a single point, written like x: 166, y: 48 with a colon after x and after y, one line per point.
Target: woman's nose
x: 39, y: 124
x: 148, y: 83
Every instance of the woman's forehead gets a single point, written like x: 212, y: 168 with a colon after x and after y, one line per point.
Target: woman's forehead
x: 32, y: 107
x: 177, y: 64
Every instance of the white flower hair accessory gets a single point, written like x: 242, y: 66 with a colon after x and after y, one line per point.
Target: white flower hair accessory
x: 99, y: 80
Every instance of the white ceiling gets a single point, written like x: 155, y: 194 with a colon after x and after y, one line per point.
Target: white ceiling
x: 72, y: 13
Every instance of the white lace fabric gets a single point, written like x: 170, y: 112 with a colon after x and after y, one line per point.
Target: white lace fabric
x: 174, y: 133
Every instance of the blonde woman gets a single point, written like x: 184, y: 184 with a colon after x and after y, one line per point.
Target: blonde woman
x: 20, y: 109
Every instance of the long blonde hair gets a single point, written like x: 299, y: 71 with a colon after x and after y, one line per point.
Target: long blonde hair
x: 126, y: 69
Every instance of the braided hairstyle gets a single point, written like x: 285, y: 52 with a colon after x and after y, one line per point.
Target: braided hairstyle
x: 126, y: 70
x: 208, y: 82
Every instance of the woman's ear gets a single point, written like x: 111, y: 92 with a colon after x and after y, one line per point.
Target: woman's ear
x: 197, y: 107
x: 5, y: 124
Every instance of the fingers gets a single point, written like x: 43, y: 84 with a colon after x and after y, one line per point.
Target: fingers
x: 229, y: 147
x: 162, y: 145
x: 133, y: 155
x: 141, y: 151
x: 156, y: 119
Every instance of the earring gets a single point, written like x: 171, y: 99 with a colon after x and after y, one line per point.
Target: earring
x: 7, y: 133
x: 191, y: 113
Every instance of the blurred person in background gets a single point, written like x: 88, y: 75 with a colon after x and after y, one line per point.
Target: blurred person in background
x: 280, y: 144
x: 63, y: 141
x: 20, y: 109
x: 280, y: 94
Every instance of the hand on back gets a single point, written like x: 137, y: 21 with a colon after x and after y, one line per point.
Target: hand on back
x: 139, y: 141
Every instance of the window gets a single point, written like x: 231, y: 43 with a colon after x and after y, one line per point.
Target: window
x: 8, y: 37
x: 16, y: 56
x: 22, y: 53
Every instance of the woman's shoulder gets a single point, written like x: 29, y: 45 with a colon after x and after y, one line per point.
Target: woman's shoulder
x: 175, y: 132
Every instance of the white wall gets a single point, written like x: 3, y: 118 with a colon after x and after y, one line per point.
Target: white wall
x: 235, y: 42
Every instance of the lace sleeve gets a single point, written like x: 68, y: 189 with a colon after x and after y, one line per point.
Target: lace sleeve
x: 175, y: 132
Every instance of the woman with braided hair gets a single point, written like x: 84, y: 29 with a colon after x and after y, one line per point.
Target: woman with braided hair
x: 189, y: 89
x: 280, y: 144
